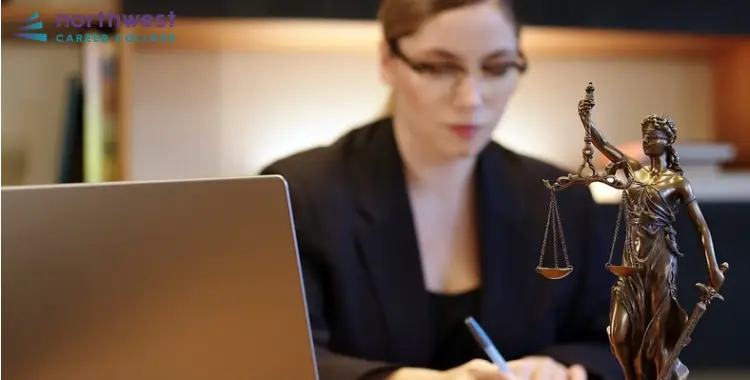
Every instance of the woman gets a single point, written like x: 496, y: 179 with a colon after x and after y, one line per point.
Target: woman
x: 410, y: 224
x: 646, y: 319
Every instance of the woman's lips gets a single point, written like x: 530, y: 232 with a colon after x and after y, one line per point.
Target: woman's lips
x: 464, y: 131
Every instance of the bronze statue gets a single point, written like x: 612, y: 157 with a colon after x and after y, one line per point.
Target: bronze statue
x: 648, y: 328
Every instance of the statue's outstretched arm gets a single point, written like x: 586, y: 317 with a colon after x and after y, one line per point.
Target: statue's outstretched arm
x: 601, y: 144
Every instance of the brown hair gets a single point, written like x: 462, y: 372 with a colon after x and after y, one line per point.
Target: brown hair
x: 667, y: 126
x: 400, y: 18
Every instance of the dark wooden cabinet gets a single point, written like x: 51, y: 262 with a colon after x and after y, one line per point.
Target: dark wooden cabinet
x: 692, y: 16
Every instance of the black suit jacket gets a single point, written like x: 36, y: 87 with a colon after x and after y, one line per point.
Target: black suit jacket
x: 363, y: 280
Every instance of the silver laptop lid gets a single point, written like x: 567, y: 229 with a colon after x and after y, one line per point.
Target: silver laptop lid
x: 195, y: 279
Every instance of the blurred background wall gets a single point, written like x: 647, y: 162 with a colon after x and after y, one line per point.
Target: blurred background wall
x: 204, y: 114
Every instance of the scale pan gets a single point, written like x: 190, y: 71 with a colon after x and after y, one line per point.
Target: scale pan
x: 623, y: 271
x: 554, y: 273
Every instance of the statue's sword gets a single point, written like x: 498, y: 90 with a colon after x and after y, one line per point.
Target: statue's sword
x: 708, y: 294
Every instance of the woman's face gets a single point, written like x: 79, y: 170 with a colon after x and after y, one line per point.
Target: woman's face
x: 454, y: 78
x: 654, y: 142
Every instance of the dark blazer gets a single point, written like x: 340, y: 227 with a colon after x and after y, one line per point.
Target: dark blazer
x: 363, y: 279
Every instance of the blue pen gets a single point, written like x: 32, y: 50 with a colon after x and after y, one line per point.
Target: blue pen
x: 489, y: 348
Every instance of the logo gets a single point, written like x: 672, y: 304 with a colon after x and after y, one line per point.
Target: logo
x: 35, y: 25
x: 86, y: 28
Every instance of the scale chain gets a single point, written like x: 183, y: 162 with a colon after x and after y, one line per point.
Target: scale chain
x: 546, y: 228
x: 560, y: 230
x: 554, y: 223
x: 554, y: 232
x: 617, y: 228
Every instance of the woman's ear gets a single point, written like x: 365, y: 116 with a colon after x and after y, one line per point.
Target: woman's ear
x: 387, y: 63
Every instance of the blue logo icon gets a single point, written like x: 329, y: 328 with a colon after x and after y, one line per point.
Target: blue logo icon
x: 35, y: 24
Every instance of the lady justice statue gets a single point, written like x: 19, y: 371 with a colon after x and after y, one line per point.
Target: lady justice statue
x: 648, y: 328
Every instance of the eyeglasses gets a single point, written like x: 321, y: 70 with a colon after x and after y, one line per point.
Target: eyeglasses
x: 446, y: 77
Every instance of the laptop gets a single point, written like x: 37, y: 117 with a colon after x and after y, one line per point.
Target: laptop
x: 184, y: 280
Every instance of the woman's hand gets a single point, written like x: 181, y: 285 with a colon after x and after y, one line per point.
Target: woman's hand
x: 545, y: 368
x: 528, y: 368
x: 477, y: 369
x: 716, y: 276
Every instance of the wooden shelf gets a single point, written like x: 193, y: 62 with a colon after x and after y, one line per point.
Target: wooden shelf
x: 14, y: 16
x: 732, y: 101
x: 362, y: 36
x: 592, y: 43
